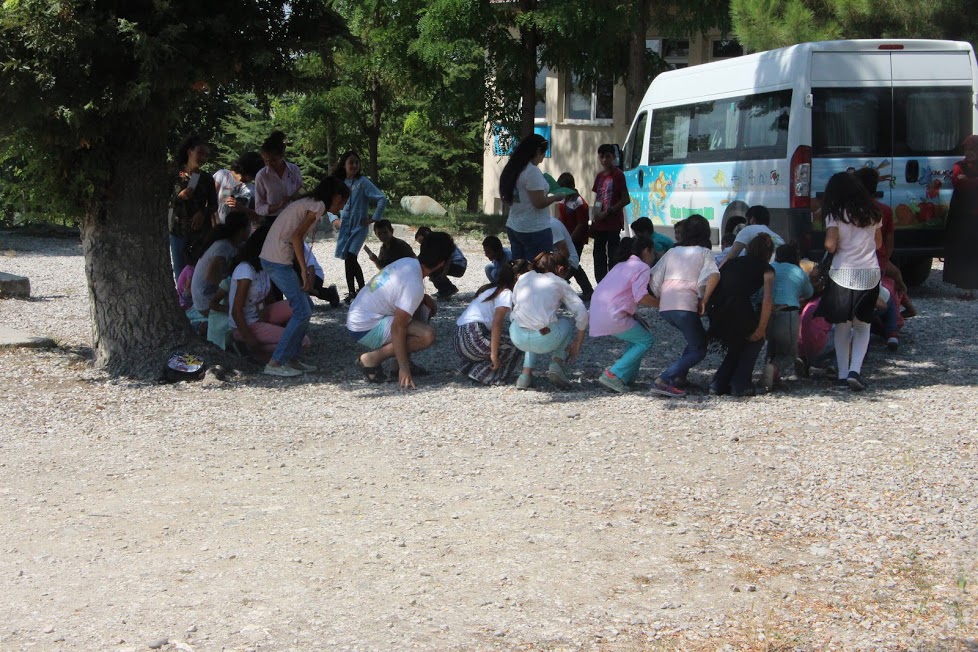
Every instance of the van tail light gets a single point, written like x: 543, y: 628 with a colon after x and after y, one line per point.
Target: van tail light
x: 801, y: 177
x: 891, y: 46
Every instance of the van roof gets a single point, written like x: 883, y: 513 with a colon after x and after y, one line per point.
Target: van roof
x: 792, y: 61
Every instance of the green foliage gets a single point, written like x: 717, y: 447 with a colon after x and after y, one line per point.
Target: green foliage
x: 436, y: 160
x: 766, y: 24
x: 89, y: 83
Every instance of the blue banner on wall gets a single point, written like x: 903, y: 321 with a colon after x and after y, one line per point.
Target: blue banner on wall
x: 501, y: 136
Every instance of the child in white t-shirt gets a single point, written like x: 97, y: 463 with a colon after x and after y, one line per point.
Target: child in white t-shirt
x: 389, y: 316
x: 481, y: 342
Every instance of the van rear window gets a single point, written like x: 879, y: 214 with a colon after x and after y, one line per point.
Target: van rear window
x: 931, y: 121
x: 851, y: 122
x: 901, y: 121
x: 742, y: 128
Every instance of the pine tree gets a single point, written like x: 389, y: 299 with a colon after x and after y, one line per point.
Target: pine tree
x: 766, y: 24
x: 94, y: 86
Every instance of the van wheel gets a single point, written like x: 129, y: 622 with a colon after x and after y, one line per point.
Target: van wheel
x: 916, y: 270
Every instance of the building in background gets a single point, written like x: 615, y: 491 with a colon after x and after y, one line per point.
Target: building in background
x: 577, y: 121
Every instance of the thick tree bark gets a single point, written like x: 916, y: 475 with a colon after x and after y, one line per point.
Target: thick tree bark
x: 473, y: 198
x: 529, y: 40
x: 635, y: 81
x: 373, y: 133
x: 136, y: 320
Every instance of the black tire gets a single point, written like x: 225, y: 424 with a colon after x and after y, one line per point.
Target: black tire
x: 916, y: 270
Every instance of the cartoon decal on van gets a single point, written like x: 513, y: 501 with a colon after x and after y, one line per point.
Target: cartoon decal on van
x: 912, y: 208
x: 677, y: 191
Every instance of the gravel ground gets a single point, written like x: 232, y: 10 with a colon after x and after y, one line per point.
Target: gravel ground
x: 328, y: 514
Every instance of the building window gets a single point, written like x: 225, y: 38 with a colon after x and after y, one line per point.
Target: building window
x: 675, y: 52
x: 727, y: 49
x: 540, y: 112
x: 583, y: 103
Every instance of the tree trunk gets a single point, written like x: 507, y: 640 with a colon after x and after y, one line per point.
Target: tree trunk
x: 529, y: 40
x: 473, y: 195
x: 637, y: 78
x: 331, y: 153
x: 374, y: 132
x: 136, y: 320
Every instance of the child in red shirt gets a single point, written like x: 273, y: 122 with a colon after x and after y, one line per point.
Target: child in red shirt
x: 609, y: 215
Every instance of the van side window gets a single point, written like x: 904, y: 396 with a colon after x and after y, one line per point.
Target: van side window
x: 851, y: 122
x: 636, y: 140
x: 930, y: 121
x: 741, y: 128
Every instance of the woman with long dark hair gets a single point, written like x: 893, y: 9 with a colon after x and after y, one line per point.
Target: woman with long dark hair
x: 961, y: 231
x: 852, y: 236
x: 524, y: 189
x: 282, y: 248
x: 279, y: 182
x: 194, y: 201
x: 354, y: 223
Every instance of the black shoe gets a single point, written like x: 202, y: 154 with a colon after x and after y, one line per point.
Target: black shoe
x: 841, y: 385
x: 855, y: 382
x: 348, y: 299
x: 332, y: 295
x: 803, y: 369
x: 447, y: 294
x: 747, y: 392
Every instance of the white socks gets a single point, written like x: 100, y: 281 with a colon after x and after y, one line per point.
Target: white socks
x: 851, y: 344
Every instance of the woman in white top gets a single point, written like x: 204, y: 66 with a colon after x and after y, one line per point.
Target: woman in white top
x: 487, y: 355
x: 282, y: 248
x: 523, y: 187
x: 536, y: 327
x: 279, y: 182
x: 852, y: 236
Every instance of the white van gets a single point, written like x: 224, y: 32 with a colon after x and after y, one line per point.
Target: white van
x: 771, y: 128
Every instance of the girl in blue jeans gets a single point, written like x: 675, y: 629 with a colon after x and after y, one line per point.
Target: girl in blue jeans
x: 536, y: 328
x: 684, y: 280
x: 613, y: 306
x: 285, y: 245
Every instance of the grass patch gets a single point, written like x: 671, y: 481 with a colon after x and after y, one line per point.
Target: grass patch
x: 455, y: 222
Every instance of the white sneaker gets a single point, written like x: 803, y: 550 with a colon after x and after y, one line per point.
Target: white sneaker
x: 282, y: 371
x: 301, y: 366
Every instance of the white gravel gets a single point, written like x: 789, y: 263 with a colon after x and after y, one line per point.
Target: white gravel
x: 327, y: 513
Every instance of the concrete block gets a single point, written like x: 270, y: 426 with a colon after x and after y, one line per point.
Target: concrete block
x: 12, y: 339
x: 14, y: 287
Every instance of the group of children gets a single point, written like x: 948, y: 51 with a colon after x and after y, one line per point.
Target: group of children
x: 248, y: 276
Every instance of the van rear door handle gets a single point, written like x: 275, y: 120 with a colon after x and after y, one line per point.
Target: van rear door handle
x: 912, y: 173
x: 641, y: 178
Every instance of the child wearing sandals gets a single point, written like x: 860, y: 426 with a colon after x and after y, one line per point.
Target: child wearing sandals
x: 613, y: 306
x: 389, y: 316
x: 684, y: 280
x: 487, y: 354
x: 537, y: 329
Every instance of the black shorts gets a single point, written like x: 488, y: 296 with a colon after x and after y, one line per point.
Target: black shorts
x: 839, y: 304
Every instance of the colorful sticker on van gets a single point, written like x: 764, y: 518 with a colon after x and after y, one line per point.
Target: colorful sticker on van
x: 670, y: 193
x: 917, y: 203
